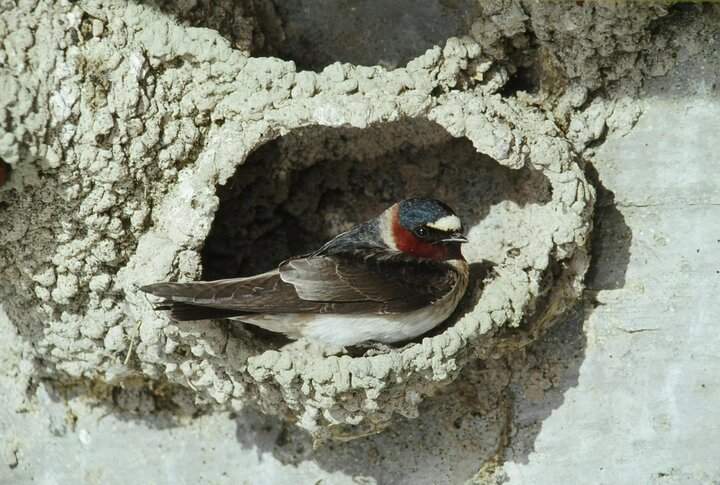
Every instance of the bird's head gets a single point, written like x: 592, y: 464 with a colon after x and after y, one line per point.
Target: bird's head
x: 423, y: 227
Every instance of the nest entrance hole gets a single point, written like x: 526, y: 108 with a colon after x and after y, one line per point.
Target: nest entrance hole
x: 297, y: 191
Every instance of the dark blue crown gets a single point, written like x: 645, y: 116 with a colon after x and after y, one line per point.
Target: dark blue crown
x: 418, y: 212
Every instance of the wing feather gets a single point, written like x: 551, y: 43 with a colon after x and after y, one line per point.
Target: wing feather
x: 369, y: 283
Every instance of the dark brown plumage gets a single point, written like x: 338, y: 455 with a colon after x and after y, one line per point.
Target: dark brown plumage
x: 358, y: 282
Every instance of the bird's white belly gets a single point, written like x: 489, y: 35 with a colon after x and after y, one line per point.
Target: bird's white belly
x: 344, y: 330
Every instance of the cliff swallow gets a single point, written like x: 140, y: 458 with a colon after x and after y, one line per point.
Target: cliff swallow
x: 386, y: 280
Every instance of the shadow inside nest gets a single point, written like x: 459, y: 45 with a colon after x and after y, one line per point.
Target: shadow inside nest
x: 297, y: 191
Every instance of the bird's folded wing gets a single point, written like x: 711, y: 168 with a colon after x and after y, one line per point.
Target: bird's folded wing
x: 321, y: 284
x: 393, y: 284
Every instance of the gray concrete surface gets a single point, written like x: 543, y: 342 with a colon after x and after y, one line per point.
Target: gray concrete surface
x: 643, y: 407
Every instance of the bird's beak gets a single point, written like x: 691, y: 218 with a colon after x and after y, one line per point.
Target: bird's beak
x: 457, y: 237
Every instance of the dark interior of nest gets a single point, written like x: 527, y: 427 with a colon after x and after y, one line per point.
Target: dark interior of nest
x: 298, y: 191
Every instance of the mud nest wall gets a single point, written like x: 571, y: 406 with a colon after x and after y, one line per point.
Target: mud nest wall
x: 149, y: 141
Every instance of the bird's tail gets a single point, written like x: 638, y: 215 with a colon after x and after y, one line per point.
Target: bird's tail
x: 185, y: 311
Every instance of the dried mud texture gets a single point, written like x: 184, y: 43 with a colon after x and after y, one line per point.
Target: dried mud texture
x: 142, y: 150
x: 591, y: 44
x: 584, y: 63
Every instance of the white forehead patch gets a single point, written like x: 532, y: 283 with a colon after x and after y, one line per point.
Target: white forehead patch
x: 447, y: 224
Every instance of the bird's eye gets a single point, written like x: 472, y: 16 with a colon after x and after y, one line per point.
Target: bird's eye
x: 421, y: 231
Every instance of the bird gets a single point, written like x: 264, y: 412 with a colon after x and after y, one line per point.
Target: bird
x: 387, y: 280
